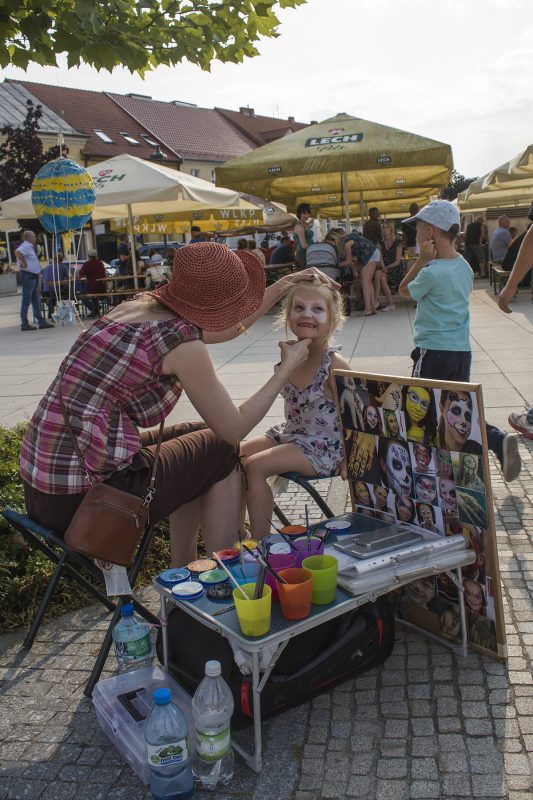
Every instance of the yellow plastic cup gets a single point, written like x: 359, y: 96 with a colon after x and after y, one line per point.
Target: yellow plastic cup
x: 324, y: 572
x: 253, y: 615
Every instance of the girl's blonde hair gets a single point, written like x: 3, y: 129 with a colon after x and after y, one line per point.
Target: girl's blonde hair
x: 332, y: 296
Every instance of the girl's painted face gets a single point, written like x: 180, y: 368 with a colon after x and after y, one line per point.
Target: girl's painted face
x: 372, y: 417
x: 448, y: 496
x: 444, y: 464
x: 457, y: 414
x: 424, y: 512
x: 398, y: 468
x: 392, y: 423
x: 417, y: 403
x: 425, y: 489
x: 422, y: 457
x: 309, y: 315
x: 404, y: 509
x: 362, y: 494
x: 381, y: 497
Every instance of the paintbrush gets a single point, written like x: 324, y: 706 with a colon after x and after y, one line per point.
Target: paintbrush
x: 230, y: 576
x: 222, y: 610
x: 307, y: 528
x: 268, y: 568
x: 283, y: 536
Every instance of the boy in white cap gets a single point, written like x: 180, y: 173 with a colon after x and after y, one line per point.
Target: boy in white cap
x: 440, y: 282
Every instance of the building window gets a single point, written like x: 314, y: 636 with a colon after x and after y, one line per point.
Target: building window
x: 149, y: 140
x: 195, y: 173
x: 129, y: 138
x: 213, y: 175
x: 103, y: 136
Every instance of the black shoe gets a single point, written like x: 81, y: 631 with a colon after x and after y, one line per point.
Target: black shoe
x: 28, y: 328
x: 45, y: 325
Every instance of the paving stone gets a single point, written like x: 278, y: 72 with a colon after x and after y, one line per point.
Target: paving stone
x: 424, y: 790
x: 424, y: 769
x: 394, y: 768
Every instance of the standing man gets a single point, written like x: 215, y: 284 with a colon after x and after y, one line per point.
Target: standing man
x: 474, y: 249
x: 500, y: 240
x: 196, y: 235
x: 123, y: 253
x: 30, y: 272
x: 372, y: 227
x: 409, y: 228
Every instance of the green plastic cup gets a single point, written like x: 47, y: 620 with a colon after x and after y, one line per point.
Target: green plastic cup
x: 253, y: 615
x: 324, y: 572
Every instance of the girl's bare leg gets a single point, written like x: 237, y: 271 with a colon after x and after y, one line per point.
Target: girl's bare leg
x: 260, y: 466
x: 184, y: 526
x: 386, y: 290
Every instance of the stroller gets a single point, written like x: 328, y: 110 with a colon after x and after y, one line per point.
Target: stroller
x: 323, y: 256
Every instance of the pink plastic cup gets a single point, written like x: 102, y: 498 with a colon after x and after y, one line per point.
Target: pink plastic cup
x: 305, y: 547
x: 279, y: 561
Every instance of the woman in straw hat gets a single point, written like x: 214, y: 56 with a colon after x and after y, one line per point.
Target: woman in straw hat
x: 127, y: 371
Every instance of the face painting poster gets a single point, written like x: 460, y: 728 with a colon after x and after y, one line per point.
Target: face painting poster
x: 416, y: 455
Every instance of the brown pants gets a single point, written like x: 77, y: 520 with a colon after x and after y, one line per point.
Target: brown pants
x: 192, y: 458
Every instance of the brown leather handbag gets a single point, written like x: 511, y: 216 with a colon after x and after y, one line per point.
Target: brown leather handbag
x: 109, y: 522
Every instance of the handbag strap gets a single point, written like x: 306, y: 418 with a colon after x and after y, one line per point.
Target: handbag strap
x: 150, y: 491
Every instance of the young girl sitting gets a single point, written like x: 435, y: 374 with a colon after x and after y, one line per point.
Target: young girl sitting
x: 310, y: 439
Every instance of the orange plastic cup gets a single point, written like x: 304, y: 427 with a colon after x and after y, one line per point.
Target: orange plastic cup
x: 295, y: 595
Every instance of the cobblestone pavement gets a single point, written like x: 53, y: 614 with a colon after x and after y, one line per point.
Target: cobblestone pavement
x: 426, y: 724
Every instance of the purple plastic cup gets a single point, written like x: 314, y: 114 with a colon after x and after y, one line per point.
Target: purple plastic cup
x: 279, y: 561
x: 307, y: 547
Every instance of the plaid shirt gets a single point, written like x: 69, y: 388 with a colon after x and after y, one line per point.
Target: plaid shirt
x: 112, y: 384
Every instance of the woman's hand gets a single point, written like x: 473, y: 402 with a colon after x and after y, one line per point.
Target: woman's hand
x: 307, y: 275
x: 505, y: 297
x: 294, y: 354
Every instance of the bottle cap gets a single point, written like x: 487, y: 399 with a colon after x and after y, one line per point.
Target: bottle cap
x: 127, y: 610
x: 213, y: 668
x: 162, y: 696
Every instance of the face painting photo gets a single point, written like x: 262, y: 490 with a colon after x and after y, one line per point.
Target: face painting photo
x: 395, y: 466
x: 425, y: 488
x: 458, y: 425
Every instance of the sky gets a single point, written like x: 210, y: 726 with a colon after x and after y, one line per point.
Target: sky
x: 458, y: 71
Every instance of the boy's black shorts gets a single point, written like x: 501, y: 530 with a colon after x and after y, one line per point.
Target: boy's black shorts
x: 441, y: 365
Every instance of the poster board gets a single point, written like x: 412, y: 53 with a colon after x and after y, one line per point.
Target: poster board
x: 417, y: 455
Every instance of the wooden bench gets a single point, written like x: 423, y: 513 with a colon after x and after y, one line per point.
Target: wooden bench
x: 499, y: 277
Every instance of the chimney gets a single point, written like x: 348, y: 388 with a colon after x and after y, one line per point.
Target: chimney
x: 247, y: 111
x: 313, y: 122
x: 290, y: 119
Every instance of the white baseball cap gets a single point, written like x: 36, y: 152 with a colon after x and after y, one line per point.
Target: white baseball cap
x: 440, y: 213
x: 157, y: 258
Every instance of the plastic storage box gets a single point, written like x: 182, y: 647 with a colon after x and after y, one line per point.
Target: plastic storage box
x: 121, y: 705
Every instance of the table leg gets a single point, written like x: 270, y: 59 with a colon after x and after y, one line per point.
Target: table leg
x: 462, y: 611
x: 163, y: 617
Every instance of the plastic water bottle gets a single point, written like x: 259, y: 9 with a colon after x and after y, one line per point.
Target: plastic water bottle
x: 133, y: 643
x: 212, y: 707
x: 167, y: 745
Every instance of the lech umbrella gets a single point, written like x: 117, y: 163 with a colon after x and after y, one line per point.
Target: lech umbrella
x: 339, y: 162
x: 509, y: 185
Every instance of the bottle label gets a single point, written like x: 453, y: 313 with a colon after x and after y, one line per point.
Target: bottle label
x: 167, y: 755
x: 213, y: 747
x: 138, y: 648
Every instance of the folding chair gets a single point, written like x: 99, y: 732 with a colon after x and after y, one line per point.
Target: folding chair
x: 303, y: 481
x: 68, y: 563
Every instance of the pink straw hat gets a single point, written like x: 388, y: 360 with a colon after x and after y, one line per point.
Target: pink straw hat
x: 213, y: 287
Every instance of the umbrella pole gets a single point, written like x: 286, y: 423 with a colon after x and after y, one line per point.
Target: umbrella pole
x: 132, y: 241
x: 346, y: 202
x: 362, y: 207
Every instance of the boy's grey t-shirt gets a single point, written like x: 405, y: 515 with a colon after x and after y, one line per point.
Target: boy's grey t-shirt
x: 442, y: 290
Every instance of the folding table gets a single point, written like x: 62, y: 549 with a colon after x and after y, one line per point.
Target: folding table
x: 212, y: 615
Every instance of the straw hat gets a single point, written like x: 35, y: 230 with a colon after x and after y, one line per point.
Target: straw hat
x: 213, y: 287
